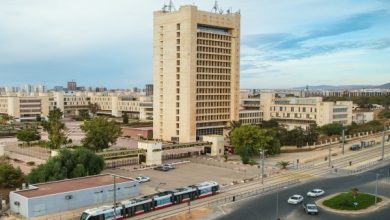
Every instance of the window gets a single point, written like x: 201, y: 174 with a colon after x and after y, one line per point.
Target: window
x: 178, y: 27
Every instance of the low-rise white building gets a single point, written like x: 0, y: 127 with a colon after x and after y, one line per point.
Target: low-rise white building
x: 58, y: 196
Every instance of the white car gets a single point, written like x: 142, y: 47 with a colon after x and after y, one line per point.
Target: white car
x: 310, y: 208
x: 295, y: 199
x: 315, y: 192
x: 142, y: 179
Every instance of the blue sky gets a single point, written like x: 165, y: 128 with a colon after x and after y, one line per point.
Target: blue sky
x: 109, y: 43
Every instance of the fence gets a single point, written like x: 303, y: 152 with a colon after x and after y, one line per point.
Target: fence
x: 360, y: 168
x: 121, y: 162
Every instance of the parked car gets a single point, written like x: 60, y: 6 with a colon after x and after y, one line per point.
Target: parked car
x: 310, y: 208
x: 169, y: 166
x: 295, y: 199
x: 162, y: 168
x: 142, y: 179
x: 355, y: 147
x: 315, y: 192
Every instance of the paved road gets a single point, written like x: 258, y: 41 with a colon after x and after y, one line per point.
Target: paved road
x: 264, y: 207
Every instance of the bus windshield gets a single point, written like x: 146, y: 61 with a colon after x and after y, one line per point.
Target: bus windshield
x: 84, y: 216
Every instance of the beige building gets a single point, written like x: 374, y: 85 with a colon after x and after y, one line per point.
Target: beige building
x: 295, y: 112
x: 196, y: 73
x: 26, y: 107
x: 23, y: 108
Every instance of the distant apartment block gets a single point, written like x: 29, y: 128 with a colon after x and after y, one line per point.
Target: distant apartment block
x: 196, y: 73
x: 72, y: 86
x: 27, y: 107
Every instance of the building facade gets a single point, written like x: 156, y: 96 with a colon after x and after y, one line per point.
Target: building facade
x: 196, y: 73
x: 295, y: 112
x: 57, y: 196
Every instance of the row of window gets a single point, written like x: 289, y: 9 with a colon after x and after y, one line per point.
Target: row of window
x: 212, y: 63
x: 212, y: 77
x: 212, y: 50
x: 213, y: 43
x: 213, y: 84
x: 213, y: 70
x: 212, y: 56
x: 340, y: 116
x: 212, y: 117
x: 293, y: 109
x: 212, y: 104
x: 212, y: 91
x: 212, y: 97
x: 214, y: 36
x: 212, y: 110
x: 340, y: 110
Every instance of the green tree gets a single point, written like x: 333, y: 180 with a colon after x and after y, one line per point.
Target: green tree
x: 100, y: 133
x: 270, y: 124
x: 10, y: 177
x: 233, y: 125
x: 283, y: 164
x: 331, y: 129
x: 67, y: 164
x: 27, y: 135
x: 248, y: 140
x: 55, y: 128
x: 311, y: 134
x: 83, y: 114
x: 93, y: 108
x: 354, y: 192
x: 125, y: 118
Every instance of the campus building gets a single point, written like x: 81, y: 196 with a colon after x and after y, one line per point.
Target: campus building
x: 295, y: 112
x: 27, y: 107
x: 58, y: 196
x: 196, y: 73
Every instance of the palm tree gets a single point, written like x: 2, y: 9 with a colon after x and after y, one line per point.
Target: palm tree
x: 283, y: 164
x: 354, y: 192
x: 233, y: 125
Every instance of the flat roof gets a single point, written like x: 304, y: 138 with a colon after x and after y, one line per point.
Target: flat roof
x: 70, y: 185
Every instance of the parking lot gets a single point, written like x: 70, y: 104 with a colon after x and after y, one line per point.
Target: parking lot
x: 184, y: 175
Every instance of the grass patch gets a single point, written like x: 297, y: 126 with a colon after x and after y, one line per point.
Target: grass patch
x: 345, y: 201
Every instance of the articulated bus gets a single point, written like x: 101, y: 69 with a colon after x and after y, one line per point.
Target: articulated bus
x: 129, y: 208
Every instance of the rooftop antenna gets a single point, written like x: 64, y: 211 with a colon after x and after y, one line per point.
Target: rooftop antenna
x: 215, y: 7
x: 171, y: 7
x: 168, y: 7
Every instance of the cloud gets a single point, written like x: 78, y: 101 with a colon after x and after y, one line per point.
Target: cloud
x: 286, y: 46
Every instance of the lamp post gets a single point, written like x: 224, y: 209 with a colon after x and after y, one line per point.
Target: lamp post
x: 343, y: 140
x: 262, y: 157
x: 114, y: 197
x: 383, y: 142
x: 277, y: 201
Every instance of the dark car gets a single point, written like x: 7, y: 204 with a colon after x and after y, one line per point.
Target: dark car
x: 355, y: 147
x: 162, y: 168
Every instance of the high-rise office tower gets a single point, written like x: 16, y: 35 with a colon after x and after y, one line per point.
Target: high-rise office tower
x: 196, y: 72
x: 72, y: 86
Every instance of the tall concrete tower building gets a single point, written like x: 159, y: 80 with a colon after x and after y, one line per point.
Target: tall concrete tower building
x: 196, y: 72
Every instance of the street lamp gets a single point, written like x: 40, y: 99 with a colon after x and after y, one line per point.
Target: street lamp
x: 343, y: 140
x: 277, y: 201
x: 114, y: 197
x: 262, y: 157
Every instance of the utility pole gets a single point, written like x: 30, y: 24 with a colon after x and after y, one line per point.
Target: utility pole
x: 262, y: 152
x: 343, y: 139
x: 277, y: 203
x: 114, y: 198
x: 383, y: 142
x: 329, y: 155
x: 376, y: 188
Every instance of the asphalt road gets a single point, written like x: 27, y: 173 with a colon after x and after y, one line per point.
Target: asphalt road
x: 264, y: 207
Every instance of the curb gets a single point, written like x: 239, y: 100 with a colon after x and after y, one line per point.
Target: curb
x: 385, y: 201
